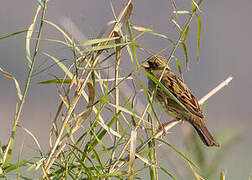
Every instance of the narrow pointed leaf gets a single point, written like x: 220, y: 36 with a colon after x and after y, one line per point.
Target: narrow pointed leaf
x: 110, y: 46
x: 168, y: 173
x: 175, y: 22
x: 96, y: 41
x: 185, y: 33
x: 198, y: 39
x: 179, y: 67
x: 8, y: 75
x: 180, y: 153
x: 13, y: 34
x: 186, y: 55
x: 151, y: 31
x: 155, y: 80
x: 28, y: 38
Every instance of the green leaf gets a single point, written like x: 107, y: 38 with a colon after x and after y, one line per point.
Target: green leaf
x: 185, y: 53
x: 175, y: 22
x: 60, y: 64
x: 55, y: 81
x: 69, y: 132
x: 180, y: 153
x: 193, y: 6
x: 150, y: 31
x: 198, y: 39
x: 110, y: 46
x: 28, y: 39
x: 185, y: 33
x: 149, y: 100
x: 96, y: 41
x: 155, y: 80
x: 196, y: 5
x: 120, y: 108
x: 168, y: 173
x: 13, y: 34
x: 59, y: 29
x: 179, y: 67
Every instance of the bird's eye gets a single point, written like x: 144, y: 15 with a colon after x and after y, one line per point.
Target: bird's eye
x: 153, y: 65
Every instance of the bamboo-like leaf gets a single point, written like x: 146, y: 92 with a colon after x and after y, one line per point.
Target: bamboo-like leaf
x: 155, y: 80
x: 198, y: 37
x: 13, y: 34
x: 19, y: 164
x: 186, y: 55
x: 28, y: 38
x: 126, y: 111
x: 110, y: 46
x: 196, y: 5
x: 98, y: 158
x: 100, y: 142
x: 150, y: 31
x: 180, y: 153
x: 59, y: 29
x: 193, y: 6
x: 33, y: 137
x: 185, y: 33
x: 60, y: 64
x: 69, y: 132
x: 35, y: 165
x: 175, y: 22
x: 55, y: 81
x: 8, y: 75
x: 179, y: 67
x: 87, y: 169
x: 96, y: 41
x: 148, y: 98
x: 101, y: 134
x: 57, y: 41
x: 118, y: 174
x: 133, y: 48
x: 145, y: 160
x: 168, y: 173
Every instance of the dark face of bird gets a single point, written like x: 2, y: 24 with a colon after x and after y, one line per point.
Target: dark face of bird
x: 155, y: 63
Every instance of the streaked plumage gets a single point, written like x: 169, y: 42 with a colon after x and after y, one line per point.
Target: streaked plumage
x: 155, y: 66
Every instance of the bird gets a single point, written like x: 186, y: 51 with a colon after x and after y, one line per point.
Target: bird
x: 157, y: 66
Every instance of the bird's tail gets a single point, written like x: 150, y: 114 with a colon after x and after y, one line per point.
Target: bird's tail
x: 204, y: 134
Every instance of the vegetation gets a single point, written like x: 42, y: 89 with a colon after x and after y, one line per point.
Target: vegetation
x: 112, y: 136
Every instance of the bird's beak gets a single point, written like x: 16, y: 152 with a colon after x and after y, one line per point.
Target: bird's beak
x: 145, y: 65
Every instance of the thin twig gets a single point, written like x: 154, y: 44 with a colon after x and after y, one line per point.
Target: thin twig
x: 215, y: 90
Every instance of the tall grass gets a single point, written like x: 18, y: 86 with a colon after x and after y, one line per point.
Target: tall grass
x: 112, y: 136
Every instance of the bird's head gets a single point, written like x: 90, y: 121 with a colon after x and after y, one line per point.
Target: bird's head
x: 155, y: 63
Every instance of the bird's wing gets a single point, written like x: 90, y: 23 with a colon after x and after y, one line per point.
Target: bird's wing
x: 179, y: 89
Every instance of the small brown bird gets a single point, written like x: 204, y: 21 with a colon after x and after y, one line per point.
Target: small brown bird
x: 155, y: 65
